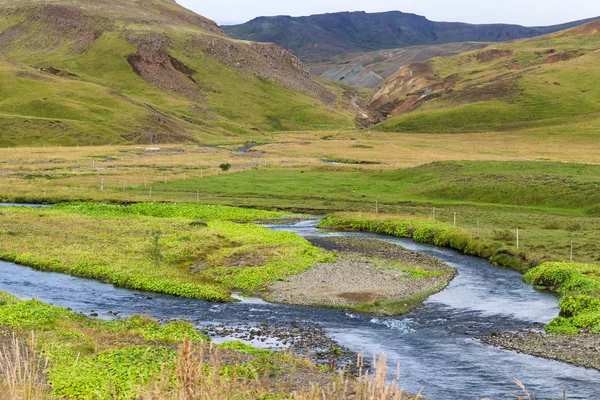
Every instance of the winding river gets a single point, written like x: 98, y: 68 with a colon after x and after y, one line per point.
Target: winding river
x: 435, y: 345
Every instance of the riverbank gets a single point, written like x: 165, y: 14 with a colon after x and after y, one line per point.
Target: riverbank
x: 572, y: 337
x: 369, y: 276
x: 62, y: 354
x: 582, y: 350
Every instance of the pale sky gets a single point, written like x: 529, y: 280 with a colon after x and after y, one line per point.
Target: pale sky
x: 523, y: 12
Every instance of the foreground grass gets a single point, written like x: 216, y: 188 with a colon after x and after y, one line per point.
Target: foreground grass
x: 180, y: 256
x: 132, y: 359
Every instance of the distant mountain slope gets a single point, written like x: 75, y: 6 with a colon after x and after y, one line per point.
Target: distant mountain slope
x: 144, y: 71
x: 380, y: 64
x: 320, y: 37
x: 546, y: 82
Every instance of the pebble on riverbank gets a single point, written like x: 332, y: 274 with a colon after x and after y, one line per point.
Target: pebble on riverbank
x: 582, y: 350
x: 367, y: 271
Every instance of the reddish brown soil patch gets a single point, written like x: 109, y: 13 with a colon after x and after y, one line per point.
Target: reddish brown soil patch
x: 588, y: 29
x: 493, y: 54
x: 361, y: 297
x: 154, y: 65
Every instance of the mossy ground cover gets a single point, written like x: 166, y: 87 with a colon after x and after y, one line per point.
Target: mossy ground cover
x: 179, y: 256
x: 100, y: 359
x: 579, y: 287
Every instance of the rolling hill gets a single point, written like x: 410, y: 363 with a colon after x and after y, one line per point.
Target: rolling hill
x: 320, y: 37
x: 546, y: 83
x: 145, y: 71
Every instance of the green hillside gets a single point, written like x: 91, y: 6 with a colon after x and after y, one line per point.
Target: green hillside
x: 528, y: 84
x: 145, y: 71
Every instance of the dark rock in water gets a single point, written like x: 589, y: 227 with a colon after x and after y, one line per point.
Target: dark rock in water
x: 94, y: 314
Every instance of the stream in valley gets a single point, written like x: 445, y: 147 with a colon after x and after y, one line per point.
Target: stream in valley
x: 435, y: 344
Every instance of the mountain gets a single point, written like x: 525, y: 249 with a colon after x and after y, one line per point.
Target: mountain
x: 549, y: 82
x: 320, y: 37
x: 367, y: 70
x: 145, y: 71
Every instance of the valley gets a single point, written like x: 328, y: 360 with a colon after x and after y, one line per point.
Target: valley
x: 384, y: 207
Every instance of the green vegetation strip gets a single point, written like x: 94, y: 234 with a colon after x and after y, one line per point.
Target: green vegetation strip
x: 433, y: 232
x: 179, y: 256
x: 168, y: 210
x: 579, y: 286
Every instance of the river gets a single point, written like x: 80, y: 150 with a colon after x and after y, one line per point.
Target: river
x: 435, y: 344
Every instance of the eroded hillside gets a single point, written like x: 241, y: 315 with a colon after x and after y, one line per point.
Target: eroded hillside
x: 546, y: 81
x: 82, y: 71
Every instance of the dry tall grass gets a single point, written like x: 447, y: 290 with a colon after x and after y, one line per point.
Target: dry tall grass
x: 198, y: 377
x: 21, y: 372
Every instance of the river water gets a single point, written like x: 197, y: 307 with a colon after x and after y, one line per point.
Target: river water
x: 435, y: 345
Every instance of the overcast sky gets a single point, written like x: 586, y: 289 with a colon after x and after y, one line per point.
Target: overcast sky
x: 523, y: 12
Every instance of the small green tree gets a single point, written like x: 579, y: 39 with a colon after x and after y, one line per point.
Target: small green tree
x: 156, y: 253
x: 225, y: 167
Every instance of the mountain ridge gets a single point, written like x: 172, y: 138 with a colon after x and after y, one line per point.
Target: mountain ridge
x: 321, y: 36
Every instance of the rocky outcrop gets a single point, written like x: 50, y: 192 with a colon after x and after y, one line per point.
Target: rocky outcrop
x: 353, y: 75
x: 411, y: 84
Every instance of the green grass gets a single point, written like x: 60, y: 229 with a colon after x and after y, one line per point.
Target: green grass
x: 167, y: 210
x: 97, y: 98
x: 99, y: 359
x: 579, y: 286
x: 168, y: 255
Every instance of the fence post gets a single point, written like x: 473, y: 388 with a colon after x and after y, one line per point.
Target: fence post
x: 571, y: 257
x: 102, y: 185
x: 455, y: 218
x: 517, y: 238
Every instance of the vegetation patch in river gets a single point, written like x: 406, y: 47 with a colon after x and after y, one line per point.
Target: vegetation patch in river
x: 169, y: 255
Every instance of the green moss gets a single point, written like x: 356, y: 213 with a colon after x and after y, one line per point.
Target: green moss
x: 110, y: 374
x: 33, y: 314
x: 580, y: 286
x: 243, y: 348
x: 151, y: 330
x: 168, y: 210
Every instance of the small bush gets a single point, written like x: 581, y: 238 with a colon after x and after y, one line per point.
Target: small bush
x: 225, y: 166
x: 504, y: 236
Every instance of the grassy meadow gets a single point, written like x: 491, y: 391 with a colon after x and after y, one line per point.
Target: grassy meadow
x: 551, y: 202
